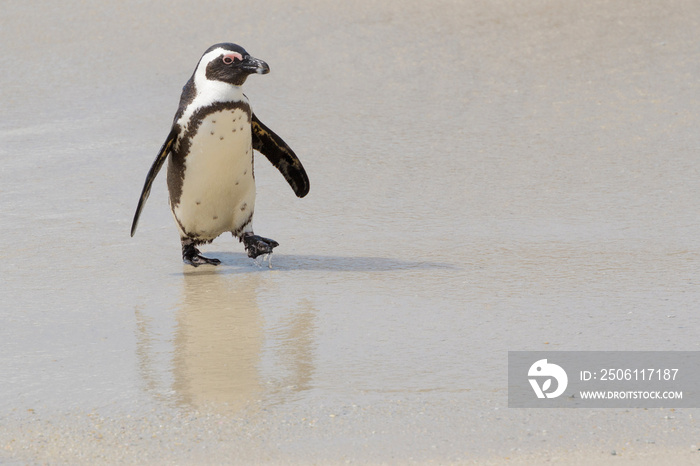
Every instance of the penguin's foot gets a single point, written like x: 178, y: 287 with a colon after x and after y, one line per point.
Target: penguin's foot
x: 192, y: 256
x: 257, y: 245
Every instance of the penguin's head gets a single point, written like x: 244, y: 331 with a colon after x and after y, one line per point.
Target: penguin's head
x: 230, y: 63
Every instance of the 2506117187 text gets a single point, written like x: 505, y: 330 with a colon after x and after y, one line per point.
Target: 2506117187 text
x: 629, y: 374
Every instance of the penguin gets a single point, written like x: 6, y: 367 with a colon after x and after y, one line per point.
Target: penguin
x: 211, y: 183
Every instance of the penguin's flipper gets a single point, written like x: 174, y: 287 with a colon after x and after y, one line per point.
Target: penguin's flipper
x: 281, y: 156
x: 152, y: 173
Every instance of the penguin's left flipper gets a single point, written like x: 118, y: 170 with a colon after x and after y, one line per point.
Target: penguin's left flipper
x: 152, y: 173
x: 281, y: 156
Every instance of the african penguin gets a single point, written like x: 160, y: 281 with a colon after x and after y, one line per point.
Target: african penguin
x: 210, y: 156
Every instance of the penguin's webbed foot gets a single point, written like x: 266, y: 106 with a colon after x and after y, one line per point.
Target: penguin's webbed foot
x: 192, y: 256
x: 257, y: 245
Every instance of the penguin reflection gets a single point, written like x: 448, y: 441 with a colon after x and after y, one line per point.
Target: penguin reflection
x: 218, y: 342
x: 295, y: 335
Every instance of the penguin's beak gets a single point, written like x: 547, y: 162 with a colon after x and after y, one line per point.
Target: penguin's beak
x: 254, y: 65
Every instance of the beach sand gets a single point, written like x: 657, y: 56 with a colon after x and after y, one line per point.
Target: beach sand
x: 486, y: 177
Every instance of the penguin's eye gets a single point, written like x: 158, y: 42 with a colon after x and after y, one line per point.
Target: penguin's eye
x: 231, y: 57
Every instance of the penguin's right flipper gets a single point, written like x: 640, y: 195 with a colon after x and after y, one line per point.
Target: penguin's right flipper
x: 152, y: 173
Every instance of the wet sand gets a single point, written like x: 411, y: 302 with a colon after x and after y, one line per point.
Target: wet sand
x: 485, y: 177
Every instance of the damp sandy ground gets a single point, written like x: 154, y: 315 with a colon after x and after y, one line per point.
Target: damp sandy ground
x: 485, y: 176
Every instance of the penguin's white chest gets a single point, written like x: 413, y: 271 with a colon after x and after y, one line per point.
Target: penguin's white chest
x: 218, y: 188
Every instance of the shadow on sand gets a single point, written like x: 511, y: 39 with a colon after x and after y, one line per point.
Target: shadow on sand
x: 232, y: 263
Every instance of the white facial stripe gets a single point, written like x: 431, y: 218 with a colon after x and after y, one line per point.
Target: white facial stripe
x: 200, y: 75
